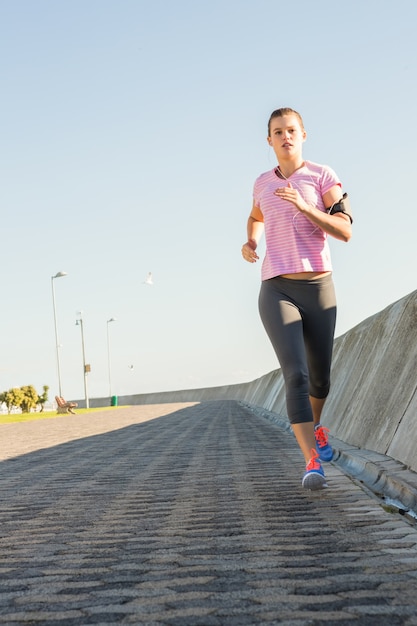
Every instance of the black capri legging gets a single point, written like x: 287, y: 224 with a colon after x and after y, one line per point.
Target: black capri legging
x: 299, y: 317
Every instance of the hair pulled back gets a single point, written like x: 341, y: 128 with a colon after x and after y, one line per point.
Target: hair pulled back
x: 280, y: 113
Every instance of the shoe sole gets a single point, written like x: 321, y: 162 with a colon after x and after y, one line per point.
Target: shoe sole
x: 314, y: 481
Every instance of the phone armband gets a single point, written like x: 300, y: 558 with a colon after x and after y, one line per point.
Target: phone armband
x: 342, y: 206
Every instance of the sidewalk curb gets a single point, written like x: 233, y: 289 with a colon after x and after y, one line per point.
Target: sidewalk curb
x: 385, y: 477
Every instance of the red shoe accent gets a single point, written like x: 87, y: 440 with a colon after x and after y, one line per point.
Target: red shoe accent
x: 320, y: 434
x: 314, y: 463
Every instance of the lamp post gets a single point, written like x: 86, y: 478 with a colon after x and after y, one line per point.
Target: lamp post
x: 86, y: 367
x: 112, y: 319
x: 58, y: 275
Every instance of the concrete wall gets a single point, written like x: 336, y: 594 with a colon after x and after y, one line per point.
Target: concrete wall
x: 373, y: 402
x: 373, y: 399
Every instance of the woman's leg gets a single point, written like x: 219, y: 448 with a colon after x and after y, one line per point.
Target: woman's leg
x: 299, y: 319
x: 319, y: 322
x: 319, y: 319
x: 283, y: 323
x: 304, y: 434
x: 317, y: 405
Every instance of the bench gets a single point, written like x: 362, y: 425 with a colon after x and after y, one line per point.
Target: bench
x: 63, y: 406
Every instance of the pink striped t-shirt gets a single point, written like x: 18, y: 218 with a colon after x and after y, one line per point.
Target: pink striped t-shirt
x: 293, y: 243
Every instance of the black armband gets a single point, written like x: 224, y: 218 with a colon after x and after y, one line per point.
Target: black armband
x: 341, y: 206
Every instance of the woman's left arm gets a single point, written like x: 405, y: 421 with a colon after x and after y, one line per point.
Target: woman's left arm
x: 338, y: 225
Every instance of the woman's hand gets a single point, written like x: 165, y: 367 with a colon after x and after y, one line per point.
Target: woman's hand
x: 337, y: 225
x: 249, y: 251
x: 291, y: 195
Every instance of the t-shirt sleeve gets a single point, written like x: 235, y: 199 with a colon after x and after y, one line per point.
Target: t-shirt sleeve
x: 329, y: 179
x: 256, y: 192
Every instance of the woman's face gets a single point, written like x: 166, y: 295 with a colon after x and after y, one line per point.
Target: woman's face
x: 286, y: 136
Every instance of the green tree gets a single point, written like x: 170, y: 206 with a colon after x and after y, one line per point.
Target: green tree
x: 13, y: 398
x: 29, y: 399
x: 43, y: 398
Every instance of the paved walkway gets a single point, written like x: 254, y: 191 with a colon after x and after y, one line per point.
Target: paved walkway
x: 190, y: 515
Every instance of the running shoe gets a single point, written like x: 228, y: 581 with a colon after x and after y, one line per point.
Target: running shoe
x: 323, y: 447
x: 314, y: 477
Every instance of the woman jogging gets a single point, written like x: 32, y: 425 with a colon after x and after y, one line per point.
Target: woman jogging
x: 298, y: 204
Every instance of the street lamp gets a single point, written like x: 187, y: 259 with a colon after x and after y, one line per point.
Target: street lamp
x: 58, y: 275
x: 86, y: 367
x: 112, y: 319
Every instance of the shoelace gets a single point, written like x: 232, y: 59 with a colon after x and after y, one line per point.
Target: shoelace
x: 321, y: 436
x: 313, y: 463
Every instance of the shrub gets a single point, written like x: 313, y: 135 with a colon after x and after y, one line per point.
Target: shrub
x: 26, y: 398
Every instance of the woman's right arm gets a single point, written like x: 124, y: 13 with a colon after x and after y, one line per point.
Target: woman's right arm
x: 255, y: 231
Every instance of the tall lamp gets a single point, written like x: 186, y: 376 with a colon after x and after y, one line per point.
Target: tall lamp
x: 58, y: 275
x: 112, y: 319
x: 86, y: 366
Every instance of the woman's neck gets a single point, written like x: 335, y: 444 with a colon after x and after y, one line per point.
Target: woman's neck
x: 288, y: 168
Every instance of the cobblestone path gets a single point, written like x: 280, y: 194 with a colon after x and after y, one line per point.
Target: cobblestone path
x: 193, y: 518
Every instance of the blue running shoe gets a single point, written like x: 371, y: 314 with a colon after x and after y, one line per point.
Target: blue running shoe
x: 323, y: 447
x: 314, y: 477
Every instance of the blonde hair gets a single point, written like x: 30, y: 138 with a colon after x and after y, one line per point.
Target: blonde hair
x: 280, y: 113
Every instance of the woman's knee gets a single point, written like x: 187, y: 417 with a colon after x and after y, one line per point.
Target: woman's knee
x: 320, y: 390
x: 296, y: 382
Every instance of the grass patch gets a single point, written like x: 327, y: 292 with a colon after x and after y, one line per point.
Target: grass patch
x: 30, y: 417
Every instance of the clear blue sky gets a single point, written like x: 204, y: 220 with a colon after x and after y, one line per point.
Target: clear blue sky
x: 131, y: 135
